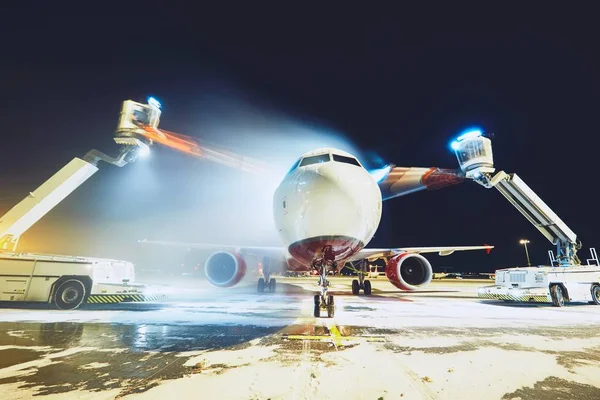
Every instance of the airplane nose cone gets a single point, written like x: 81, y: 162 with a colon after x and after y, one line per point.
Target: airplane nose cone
x: 318, y: 179
x: 333, y: 203
x: 330, y: 205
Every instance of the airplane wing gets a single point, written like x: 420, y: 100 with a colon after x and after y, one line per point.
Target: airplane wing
x: 372, y: 254
x: 281, y: 252
x: 400, y: 181
x: 257, y: 251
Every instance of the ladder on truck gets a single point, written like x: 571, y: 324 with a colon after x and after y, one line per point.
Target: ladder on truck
x: 474, y: 154
x: 39, y: 202
x: 520, y: 195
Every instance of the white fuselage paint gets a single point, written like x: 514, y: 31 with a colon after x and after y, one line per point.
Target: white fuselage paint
x: 329, y: 203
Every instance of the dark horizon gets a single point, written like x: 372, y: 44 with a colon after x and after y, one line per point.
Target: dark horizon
x: 274, y: 87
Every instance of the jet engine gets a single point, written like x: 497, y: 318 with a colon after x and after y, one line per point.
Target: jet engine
x: 409, y: 271
x: 225, y: 269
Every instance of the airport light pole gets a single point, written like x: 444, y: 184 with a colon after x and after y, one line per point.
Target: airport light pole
x: 524, y: 243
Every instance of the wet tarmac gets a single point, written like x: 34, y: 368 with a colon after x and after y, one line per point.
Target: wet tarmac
x: 441, y: 343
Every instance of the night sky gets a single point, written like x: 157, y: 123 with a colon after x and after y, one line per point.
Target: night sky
x: 389, y: 86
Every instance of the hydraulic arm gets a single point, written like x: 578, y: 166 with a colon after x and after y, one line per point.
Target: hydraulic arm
x: 39, y: 202
x: 475, y: 157
x: 136, y: 132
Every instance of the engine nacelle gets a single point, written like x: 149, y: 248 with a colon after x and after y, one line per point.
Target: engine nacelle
x: 409, y: 271
x: 225, y: 269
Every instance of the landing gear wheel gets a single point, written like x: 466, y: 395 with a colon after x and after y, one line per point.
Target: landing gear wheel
x: 330, y: 307
x: 261, y: 285
x: 317, y: 311
x: 272, y: 285
x: 367, y: 288
x: 69, y: 295
x: 596, y: 294
x: 355, y: 287
x: 558, y: 299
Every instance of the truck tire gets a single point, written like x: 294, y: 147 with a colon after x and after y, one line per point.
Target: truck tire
x: 596, y: 294
x: 69, y: 294
x: 557, y: 294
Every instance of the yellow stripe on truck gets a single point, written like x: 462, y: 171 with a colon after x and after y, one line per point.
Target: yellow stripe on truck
x: 523, y: 298
x: 118, y: 298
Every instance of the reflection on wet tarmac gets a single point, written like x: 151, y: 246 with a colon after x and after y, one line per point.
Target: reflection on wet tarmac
x: 144, y: 337
x: 106, y: 355
x: 103, y: 356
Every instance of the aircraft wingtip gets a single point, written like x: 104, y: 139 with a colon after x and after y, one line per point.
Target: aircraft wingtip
x: 489, y: 249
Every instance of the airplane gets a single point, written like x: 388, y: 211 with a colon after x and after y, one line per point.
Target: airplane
x: 326, y: 210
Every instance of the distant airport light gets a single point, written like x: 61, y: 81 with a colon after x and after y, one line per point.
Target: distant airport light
x: 524, y: 243
x: 153, y: 102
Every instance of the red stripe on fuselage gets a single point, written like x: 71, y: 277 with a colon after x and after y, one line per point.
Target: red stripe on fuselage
x: 437, y: 178
x: 327, y: 248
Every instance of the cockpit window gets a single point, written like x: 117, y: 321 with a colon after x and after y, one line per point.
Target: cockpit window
x: 347, y: 160
x: 321, y: 158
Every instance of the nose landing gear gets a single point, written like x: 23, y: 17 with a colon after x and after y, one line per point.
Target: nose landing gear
x: 321, y: 303
x: 324, y: 301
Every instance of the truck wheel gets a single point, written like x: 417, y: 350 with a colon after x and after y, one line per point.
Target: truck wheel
x: 69, y: 294
x: 558, y: 299
x: 596, y: 294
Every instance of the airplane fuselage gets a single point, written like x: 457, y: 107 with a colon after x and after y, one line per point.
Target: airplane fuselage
x: 327, y: 208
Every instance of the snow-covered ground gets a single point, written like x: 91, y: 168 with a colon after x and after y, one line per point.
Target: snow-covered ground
x: 440, y: 305
x: 441, y: 343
